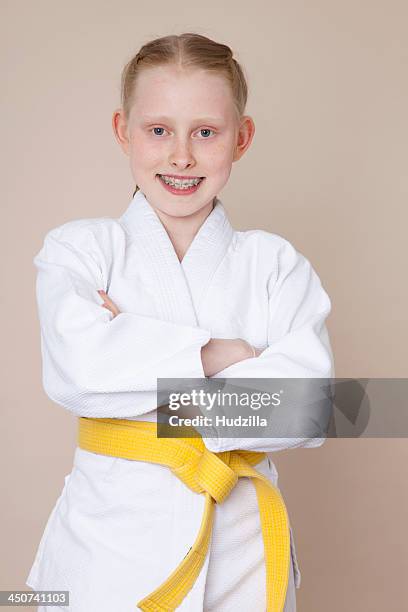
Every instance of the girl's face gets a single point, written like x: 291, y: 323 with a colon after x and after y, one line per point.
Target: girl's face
x: 182, y: 123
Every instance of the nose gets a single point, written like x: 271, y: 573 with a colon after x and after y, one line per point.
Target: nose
x: 181, y: 156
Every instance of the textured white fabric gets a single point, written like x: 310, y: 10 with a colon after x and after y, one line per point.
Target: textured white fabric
x: 111, y: 539
x: 114, y: 513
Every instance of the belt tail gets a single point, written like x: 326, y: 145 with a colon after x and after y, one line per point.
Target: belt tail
x: 169, y: 595
x: 276, y: 537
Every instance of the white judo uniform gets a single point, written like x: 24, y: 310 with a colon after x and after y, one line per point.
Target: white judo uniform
x: 120, y: 527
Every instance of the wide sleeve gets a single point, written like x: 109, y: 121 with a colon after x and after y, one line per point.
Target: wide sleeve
x: 298, y: 343
x: 94, y: 364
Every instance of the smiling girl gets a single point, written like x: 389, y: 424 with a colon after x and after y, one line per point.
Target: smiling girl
x: 170, y: 290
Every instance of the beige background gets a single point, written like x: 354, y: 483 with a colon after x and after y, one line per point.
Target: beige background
x: 327, y: 170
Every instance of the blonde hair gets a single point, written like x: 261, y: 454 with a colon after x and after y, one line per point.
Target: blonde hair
x: 188, y: 50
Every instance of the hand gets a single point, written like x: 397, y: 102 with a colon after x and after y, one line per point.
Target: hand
x: 219, y: 353
x: 109, y: 305
x: 253, y: 349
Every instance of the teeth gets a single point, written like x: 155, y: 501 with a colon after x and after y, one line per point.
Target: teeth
x: 179, y: 183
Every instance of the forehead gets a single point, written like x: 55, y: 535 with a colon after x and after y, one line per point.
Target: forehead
x: 172, y: 91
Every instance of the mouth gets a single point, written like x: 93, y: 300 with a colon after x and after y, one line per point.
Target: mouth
x: 179, y: 185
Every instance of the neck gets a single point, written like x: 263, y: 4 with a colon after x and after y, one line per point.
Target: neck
x: 182, y: 230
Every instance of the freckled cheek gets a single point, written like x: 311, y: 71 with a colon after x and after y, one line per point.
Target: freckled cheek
x: 220, y: 158
x: 144, y: 156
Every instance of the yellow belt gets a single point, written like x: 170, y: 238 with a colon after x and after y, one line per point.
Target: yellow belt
x: 215, y: 475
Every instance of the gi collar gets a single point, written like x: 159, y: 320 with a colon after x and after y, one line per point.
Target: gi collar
x: 204, y: 255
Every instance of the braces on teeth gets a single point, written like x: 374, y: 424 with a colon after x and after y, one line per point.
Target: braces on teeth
x: 180, y: 183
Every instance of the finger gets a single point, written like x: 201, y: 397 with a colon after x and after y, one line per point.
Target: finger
x: 109, y: 304
x: 115, y: 309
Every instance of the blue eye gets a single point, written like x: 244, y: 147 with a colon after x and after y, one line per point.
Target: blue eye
x: 158, y: 128
x: 206, y: 130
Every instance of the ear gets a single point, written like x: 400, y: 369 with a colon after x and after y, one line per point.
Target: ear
x: 245, y: 135
x: 120, y: 129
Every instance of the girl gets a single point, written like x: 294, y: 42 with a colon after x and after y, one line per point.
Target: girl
x: 170, y: 289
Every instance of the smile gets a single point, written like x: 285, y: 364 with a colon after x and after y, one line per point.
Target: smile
x: 180, y: 186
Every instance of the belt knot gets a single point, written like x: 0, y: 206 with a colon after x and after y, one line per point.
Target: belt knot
x: 210, y: 472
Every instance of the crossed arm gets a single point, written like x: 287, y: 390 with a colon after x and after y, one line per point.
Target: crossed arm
x: 102, y: 366
x: 216, y: 355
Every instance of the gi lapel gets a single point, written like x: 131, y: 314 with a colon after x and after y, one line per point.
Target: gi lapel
x: 206, y: 253
x: 181, y: 286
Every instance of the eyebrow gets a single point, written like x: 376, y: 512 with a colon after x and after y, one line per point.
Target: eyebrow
x: 168, y: 119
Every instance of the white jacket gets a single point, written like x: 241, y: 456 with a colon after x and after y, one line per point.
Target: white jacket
x: 113, y: 512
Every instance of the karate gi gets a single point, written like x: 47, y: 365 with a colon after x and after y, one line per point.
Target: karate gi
x: 120, y: 527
